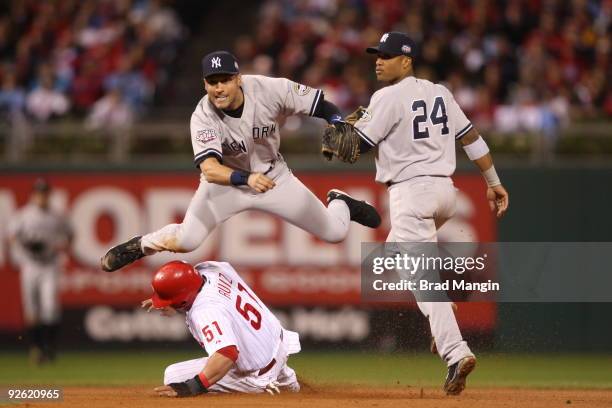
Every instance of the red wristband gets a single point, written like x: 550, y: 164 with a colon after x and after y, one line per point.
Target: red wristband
x: 204, y: 380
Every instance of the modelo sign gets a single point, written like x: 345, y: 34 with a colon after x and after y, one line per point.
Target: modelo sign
x: 285, y: 265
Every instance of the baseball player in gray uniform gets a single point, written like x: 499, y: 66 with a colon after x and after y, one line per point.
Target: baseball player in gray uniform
x: 235, y: 136
x: 39, y: 235
x: 414, y: 123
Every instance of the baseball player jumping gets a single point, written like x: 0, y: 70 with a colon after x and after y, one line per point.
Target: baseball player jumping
x: 235, y: 137
x: 414, y: 124
x: 245, y: 342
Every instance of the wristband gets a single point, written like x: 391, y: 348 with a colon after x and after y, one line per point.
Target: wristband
x: 476, y: 149
x: 204, y: 380
x: 189, y: 388
x: 491, y: 177
x: 239, y: 178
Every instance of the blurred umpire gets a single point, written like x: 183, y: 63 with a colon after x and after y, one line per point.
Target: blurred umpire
x: 39, y: 235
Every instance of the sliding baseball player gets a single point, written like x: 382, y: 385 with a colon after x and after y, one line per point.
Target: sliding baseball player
x: 246, y: 345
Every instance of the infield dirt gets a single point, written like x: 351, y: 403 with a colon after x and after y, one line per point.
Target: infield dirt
x: 335, y: 397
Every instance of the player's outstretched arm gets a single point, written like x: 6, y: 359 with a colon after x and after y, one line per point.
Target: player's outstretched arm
x: 215, y: 172
x: 477, y: 150
x: 219, y: 364
x: 216, y: 368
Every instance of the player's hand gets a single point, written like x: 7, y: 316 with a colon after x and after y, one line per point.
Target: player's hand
x: 260, y: 183
x: 498, y: 200
x: 147, y: 304
x: 165, y: 391
x: 165, y: 311
x: 272, y: 388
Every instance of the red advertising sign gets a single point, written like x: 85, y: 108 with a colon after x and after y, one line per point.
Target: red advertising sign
x: 285, y: 265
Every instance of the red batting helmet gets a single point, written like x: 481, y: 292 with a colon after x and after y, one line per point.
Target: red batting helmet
x: 176, y: 284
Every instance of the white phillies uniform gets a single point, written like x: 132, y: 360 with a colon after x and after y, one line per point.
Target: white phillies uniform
x: 250, y: 143
x: 38, y: 235
x: 415, y: 124
x: 225, y: 313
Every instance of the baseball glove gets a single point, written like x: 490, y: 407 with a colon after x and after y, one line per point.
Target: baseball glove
x: 341, y: 139
x: 355, y: 115
x: 35, y: 247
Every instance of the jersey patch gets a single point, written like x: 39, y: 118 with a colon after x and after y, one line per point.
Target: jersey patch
x: 206, y: 135
x: 301, y: 90
x: 366, y: 116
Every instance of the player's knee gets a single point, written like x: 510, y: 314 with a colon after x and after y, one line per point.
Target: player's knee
x: 169, y: 374
x: 288, y: 380
x: 293, y: 387
x: 187, y: 244
x: 182, y: 240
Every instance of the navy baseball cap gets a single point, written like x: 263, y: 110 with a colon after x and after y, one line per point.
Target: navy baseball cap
x: 394, y: 43
x: 219, y: 62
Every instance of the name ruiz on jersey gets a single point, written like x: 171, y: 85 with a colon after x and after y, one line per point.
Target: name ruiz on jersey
x: 224, y: 286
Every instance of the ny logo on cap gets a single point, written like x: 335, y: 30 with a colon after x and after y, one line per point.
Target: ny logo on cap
x: 216, y: 62
x: 384, y: 37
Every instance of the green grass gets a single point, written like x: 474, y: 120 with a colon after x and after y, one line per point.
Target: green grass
x: 499, y: 370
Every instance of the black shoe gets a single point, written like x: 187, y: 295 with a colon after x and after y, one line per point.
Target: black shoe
x: 457, y: 375
x: 362, y: 212
x: 123, y: 254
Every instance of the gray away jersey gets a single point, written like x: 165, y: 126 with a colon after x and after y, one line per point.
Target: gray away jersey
x: 251, y: 142
x: 415, y: 124
x: 39, y: 233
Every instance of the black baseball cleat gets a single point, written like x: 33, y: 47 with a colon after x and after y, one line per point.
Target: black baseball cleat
x: 457, y: 375
x: 362, y: 212
x: 123, y: 254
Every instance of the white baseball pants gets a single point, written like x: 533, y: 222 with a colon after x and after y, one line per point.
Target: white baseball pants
x: 418, y: 207
x: 236, y: 381
x: 213, y: 203
x: 39, y: 293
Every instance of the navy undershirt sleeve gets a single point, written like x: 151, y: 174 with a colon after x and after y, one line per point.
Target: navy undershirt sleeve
x: 328, y: 111
x: 363, y: 146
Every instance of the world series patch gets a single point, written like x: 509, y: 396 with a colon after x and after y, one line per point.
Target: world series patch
x: 206, y: 135
x: 300, y: 89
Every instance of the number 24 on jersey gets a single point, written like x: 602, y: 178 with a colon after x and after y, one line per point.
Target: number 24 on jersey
x: 438, y: 117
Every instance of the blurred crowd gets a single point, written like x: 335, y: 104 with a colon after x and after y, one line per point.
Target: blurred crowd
x: 512, y: 65
x: 98, y: 59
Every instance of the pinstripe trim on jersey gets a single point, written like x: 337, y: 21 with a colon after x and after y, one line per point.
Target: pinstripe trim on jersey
x: 208, y: 152
x: 463, y: 131
x: 365, y: 138
x: 313, y: 108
